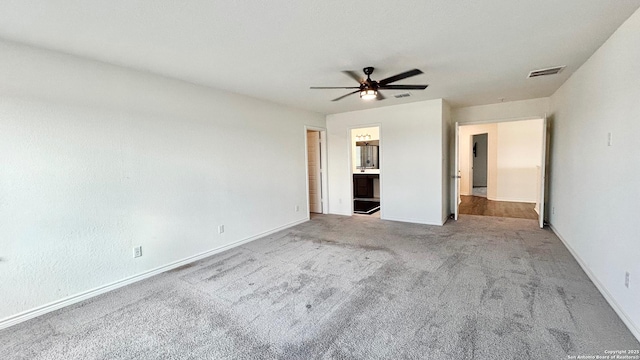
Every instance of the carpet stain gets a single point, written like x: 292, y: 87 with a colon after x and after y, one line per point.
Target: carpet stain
x: 197, y: 275
x: 279, y: 292
x: 567, y: 305
x: 497, y: 294
x: 490, y: 282
x: 422, y: 279
x: 224, y: 271
x: 563, y: 338
x: 326, y: 293
x: 451, y: 262
x: 467, y: 337
x: 509, y: 326
x: 180, y: 268
x: 345, y: 317
x: 529, y: 291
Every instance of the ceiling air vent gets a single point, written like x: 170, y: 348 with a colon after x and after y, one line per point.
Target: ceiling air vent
x: 543, y: 72
x: 403, y: 95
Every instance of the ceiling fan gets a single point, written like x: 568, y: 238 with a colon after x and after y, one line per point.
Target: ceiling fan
x: 368, y: 88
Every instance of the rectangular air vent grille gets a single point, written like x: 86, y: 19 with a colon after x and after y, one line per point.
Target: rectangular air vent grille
x: 403, y: 95
x: 544, y: 72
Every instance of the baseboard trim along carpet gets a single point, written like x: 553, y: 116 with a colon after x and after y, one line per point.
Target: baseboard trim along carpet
x: 58, y: 304
x: 635, y: 330
x: 412, y: 221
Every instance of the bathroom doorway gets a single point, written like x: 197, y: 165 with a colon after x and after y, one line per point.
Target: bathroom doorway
x: 365, y: 171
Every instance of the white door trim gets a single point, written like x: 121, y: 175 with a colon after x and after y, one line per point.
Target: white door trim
x: 543, y: 172
x: 480, y: 122
x: 456, y: 173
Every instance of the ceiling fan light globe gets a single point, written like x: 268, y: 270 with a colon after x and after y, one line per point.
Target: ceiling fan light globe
x: 368, y: 94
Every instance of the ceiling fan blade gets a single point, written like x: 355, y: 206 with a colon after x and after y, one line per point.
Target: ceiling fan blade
x: 335, y: 87
x: 344, y: 96
x: 355, y: 76
x: 403, y: 87
x: 380, y: 96
x: 400, y: 76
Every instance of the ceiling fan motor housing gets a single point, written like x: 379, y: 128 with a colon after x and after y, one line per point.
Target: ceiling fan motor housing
x: 369, y: 84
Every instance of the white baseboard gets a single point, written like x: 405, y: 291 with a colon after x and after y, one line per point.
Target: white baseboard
x: 58, y: 304
x: 635, y: 330
x: 413, y: 221
x: 339, y: 213
x: 528, y: 201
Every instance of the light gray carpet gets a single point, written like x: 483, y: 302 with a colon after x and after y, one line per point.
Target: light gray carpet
x: 348, y: 288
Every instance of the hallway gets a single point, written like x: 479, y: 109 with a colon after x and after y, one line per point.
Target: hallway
x: 477, y: 205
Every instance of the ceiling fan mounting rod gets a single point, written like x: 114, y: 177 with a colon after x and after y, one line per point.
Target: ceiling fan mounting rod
x: 368, y: 71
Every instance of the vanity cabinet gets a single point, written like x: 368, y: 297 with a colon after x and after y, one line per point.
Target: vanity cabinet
x: 363, y: 185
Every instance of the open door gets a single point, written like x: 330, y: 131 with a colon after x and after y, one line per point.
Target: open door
x: 315, y: 168
x: 456, y: 173
x: 543, y: 173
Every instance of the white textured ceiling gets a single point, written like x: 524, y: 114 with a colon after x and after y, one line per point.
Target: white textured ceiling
x: 472, y: 52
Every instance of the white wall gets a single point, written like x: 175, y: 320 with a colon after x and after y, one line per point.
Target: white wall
x: 411, y: 160
x: 594, y: 188
x: 510, y: 110
x: 519, y: 156
x: 96, y: 159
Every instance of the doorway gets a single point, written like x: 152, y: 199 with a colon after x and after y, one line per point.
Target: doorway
x: 316, y: 174
x: 479, y: 167
x: 510, y: 167
x: 365, y: 170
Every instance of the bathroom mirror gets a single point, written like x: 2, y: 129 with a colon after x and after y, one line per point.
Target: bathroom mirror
x: 367, y: 154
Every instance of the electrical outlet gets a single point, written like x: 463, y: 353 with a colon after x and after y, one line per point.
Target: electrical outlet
x: 626, y: 279
x: 220, y: 229
x: 297, y: 208
x: 553, y: 210
x: 609, y: 139
x: 137, y: 251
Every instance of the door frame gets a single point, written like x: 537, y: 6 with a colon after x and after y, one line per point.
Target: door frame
x: 323, y: 168
x: 543, y: 172
x: 545, y: 144
x: 456, y: 173
x: 350, y: 164
x: 472, y: 162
